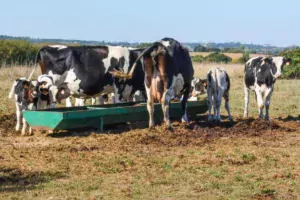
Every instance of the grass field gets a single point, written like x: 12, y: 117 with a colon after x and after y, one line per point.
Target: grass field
x: 252, y: 159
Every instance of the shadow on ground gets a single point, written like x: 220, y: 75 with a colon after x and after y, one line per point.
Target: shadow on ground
x: 14, y: 180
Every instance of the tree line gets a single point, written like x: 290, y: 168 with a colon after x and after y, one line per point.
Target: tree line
x: 22, y: 52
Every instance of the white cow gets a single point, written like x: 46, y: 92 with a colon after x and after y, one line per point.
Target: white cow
x: 218, y: 85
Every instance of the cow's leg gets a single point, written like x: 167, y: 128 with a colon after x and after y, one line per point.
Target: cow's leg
x: 76, y: 102
x: 82, y: 102
x: 93, y: 101
x: 209, y: 103
x: 24, y: 126
x: 215, y: 103
x: 218, y: 105
x: 113, y: 98
x: 165, y: 102
x: 184, y: 103
x: 148, y: 80
x: 260, y: 102
x: 247, y: 95
x: 69, y: 103
x: 101, y: 100
x: 150, y: 107
x: 167, y: 89
x: 19, y: 116
x: 227, y: 107
x: 268, y: 95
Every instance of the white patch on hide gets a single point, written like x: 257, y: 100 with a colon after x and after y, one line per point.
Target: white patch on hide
x: 59, y: 47
x: 55, y: 77
x: 165, y: 43
x: 117, y: 52
x: 73, y: 82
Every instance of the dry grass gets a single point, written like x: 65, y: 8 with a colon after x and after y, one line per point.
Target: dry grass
x: 250, y: 160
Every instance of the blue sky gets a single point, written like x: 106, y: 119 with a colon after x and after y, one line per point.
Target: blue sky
x: 256, y: 21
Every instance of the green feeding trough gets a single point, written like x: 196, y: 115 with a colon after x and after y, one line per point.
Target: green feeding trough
x: 101, y: 115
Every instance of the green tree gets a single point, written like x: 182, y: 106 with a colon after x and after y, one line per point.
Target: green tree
x: 293, y: 70
x: 143, y: 45
x: 218, y: 57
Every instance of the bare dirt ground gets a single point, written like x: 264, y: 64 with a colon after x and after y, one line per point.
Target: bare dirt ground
x: 250, y: 159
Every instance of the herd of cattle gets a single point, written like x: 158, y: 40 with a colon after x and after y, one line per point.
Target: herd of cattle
x: 159, y: 73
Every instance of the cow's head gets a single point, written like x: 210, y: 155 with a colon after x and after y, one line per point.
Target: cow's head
x: 279, y: 62
x: 58, y: 93
x: 198, y: 87
x: 29, y: 95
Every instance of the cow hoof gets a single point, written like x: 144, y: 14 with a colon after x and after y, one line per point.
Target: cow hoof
x: 30, y: 131
x: 184, y: 121
x: 152, y: 127
x: 267, y: 118
x: 209, y: 118
x: 231, y: 120
x: 17, y: 128
x: 23, y: 133
x: 169, y: 128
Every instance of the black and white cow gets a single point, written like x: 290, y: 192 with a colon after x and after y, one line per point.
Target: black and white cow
x: 83, y: 71
x: 25, y: 99
x: 218, y: 85
x: 168, y: 73
x: 260, y: 76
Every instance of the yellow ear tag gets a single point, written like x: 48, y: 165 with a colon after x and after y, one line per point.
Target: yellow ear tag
x: 204, y: 84
x: 26, y: 86
x: 287, y: 64
x: 62, y: 92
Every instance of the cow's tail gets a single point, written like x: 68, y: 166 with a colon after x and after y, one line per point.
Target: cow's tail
x: 120, y: 74
x: 37, y: 59
x: 228, y: 81
x: 216, y: 80
x: 12, y: 91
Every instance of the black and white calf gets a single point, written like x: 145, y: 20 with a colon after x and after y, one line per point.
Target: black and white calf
x: 25, y: 99
x: 198, y: 87
x: 168, y: 73
x: 218, y: 85
x: 260, y: 76
x: 83, y: 71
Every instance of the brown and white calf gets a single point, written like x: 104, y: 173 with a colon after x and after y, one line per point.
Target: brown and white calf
x: 218, y: 85
x: 168, y: 74
x: 25, y: 99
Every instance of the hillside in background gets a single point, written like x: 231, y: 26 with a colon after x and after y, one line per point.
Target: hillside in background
x: 230, y: 47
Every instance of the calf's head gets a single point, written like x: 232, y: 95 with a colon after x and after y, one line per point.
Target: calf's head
x: 279, y: 63
x: 29, y: 96
x: 198, y: 86
x: 58, y: 93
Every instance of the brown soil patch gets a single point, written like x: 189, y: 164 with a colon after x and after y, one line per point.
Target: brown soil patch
x: 7, y: 124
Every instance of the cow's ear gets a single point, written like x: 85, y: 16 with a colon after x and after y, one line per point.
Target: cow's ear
x: 288, y: 61
x: 204, y: 82
x: 43, y: 84
x: 25, y: 84
x: 268, y: 60
x: 63, y: 93
x: 34, y: 83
